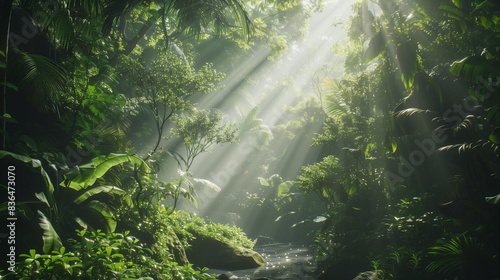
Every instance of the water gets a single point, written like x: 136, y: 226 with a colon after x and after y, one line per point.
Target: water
x: 284, y: 261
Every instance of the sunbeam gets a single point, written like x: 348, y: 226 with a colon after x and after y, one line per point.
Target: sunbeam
x: 273, y: 86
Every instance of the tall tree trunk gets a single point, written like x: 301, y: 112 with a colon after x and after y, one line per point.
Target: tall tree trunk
x: 5, y: 13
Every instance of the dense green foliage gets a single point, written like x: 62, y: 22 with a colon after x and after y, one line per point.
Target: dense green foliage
x: 412, y: 186
x: 97, y: 255
x: 111, y: 107
x: 85, y: 85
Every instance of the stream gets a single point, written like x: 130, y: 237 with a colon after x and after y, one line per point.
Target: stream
x: 284, y: 261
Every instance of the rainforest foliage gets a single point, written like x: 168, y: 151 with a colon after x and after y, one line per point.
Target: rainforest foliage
x: 111, y: 107
x: 412, y: 188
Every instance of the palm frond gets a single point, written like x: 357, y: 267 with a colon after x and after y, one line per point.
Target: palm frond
x: 480, y: 147
x: 63, y: 27
x: 192, y: 16
x: 88, y: 7
x: 467, y: 129
x: 39, y: 78
x: 114, y: 9
x: 456, y: 255
x: 196, y: 15
x: 58, y: 21
x: 412, y: 113
x: 334, y: 105
x: 413, y: 120
x: 211, y: 185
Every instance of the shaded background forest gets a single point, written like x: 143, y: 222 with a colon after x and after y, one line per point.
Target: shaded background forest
x: 366, y: 129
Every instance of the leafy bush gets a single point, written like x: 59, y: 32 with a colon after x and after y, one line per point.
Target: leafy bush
x: 99, y: 256
x: 404, y: 263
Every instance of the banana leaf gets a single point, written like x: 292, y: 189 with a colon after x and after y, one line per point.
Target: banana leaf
x: 103, y: 215
x: 97, y: 190
x: 81, y: 177
x: 51, y: 240
x: 35, y: 164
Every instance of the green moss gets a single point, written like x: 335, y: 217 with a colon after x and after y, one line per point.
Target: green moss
x: 188, y: 227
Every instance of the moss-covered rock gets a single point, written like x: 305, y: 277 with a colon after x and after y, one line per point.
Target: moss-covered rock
x: 212, y: 253
x: 175, y: 246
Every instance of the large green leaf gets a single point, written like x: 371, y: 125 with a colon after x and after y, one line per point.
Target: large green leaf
x: 85, y: 175
x: 5, y: 205
x: 333, y: 105
x: 8, y: 118
x: 475, y: 69
x: 263, y: 182
x: 97, y: 190
x: 103, y: 215
x: 35, y: 164
x: 283, y: 189
x: 208, y: 183
x: 376, y: 47
x: 452, y: 12
x: 11, y: 86
x: 389, y: 144
x: 409, y: 62
x: 493, y: 115
x: 493, y: 199
x: 495, y: 136
x: 51, y: 240
x: 41, y: 196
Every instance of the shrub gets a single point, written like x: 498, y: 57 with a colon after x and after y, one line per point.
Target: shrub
x: 99, y: 256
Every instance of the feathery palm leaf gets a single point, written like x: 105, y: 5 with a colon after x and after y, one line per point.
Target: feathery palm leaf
x: 89, y: 7
x: 192, y: 16
x: 252, y: 124
x: 414, y: 119
x: 458, y: 254
x: 40, y: 78
x: 467, y: 129
x: 58, y: 17
x: 403, y: 115
x: 114, y: 9
x: 334, y: 105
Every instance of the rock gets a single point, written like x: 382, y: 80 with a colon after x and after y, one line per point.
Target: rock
x: 213, y: 253
x: 368, y: 275
x: 175, y: 246
x: 225, y: 276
